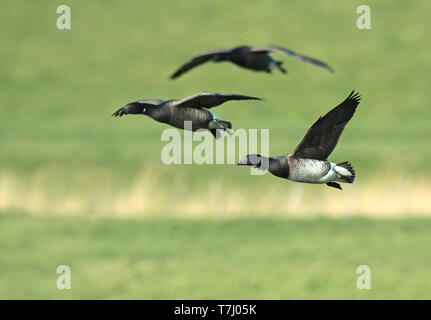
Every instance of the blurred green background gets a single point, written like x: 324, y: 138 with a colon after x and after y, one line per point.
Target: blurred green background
x: 79, y: 187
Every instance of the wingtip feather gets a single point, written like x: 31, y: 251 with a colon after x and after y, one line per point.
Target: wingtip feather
x: 356, y: 96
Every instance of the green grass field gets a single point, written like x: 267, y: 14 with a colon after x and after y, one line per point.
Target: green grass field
x: 81, y: 188
x: 211, y: 258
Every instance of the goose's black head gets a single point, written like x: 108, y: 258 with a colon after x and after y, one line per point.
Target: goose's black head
x: 147, y: 107
x: 255, y: 160
x: 142, y: 107
x: 278, y: 166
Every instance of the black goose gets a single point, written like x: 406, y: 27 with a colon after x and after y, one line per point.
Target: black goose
x: 253, y: 58
x: 193, y: 108
x: 308, y: 162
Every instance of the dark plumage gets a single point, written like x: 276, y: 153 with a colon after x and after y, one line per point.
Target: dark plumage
x: 308, y: 162
x: 253, y: 58
x: 194, y: 108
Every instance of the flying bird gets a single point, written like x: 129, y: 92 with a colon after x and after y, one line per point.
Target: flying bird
x: 308, y: 162
x: 253, y: 58
x: 194, y: 108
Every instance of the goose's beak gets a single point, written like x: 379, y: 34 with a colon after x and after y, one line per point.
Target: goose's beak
x: 243, y: 162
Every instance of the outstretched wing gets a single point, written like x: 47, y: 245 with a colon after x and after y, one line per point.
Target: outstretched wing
x: 136, y: 107
x: 321, y: 139
x: 197, y: 60
x: 293, y: 54
x: 209, y: 100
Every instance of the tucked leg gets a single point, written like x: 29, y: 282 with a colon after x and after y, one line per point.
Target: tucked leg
x: 334, y: 185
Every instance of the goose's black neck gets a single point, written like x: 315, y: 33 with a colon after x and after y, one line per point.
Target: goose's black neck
x: 279, y: 167
x: 159, y: 113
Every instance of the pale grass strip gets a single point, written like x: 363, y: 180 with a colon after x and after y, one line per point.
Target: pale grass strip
x: 146, y: 196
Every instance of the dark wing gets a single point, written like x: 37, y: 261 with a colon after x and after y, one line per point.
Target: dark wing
x: 208, y: 100
x: 321, y: 139
x: 293, y: 54
x: 136, y: 107
x: 199, y: 59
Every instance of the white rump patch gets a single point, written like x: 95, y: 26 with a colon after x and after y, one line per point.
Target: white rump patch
x: 342, y: 171
x: 273, y: 64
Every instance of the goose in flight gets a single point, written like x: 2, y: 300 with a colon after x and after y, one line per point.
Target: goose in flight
x: 253, y: 58
x: 194, y: 108
x: 308, y: 162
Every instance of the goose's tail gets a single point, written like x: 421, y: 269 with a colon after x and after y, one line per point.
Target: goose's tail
x: 221, y: 125
x: 279, y: 63
x: 345, y: 172
x: 275, y: 64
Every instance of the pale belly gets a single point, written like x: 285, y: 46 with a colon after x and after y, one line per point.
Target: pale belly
x: 312, y: 171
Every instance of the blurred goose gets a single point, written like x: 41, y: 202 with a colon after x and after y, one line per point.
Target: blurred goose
x: 193, y: 108
x: 308, y: 162
x: 253, y: 58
